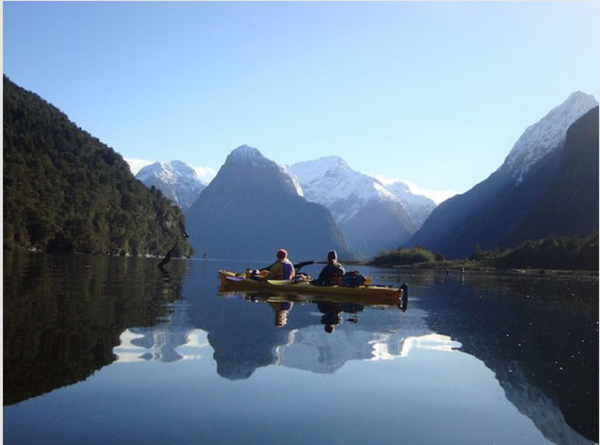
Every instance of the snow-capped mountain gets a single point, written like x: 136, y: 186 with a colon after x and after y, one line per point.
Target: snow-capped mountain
x: 546, y: 135
x: 330, y: 179
x: 371, y: 216
x: 176, y: 180
x: 331, y: 182
x: 253, y: 207
x: 251, y: 156
x: 419, y: 207
x: 548, y: 185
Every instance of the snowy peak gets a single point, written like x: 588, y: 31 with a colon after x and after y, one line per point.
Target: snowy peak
x: 547, y: 135
x: 308, y: 171
x: 168, y: 171
x: 329, y: 181
x: 182, y: 167
x: 419, y: 207
x: 252, y: 207
x: 402, y: 191
x: 246, y: 153
x: 175, y: 179
x: 370, y: 216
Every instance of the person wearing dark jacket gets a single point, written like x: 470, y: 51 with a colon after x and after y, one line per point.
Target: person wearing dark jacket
x: 332, y: 273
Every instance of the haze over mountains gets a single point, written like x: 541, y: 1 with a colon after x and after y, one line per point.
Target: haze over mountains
x: 548, y: 185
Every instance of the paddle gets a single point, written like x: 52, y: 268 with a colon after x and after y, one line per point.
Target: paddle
x: 300, y: 265
x: 307, y: 263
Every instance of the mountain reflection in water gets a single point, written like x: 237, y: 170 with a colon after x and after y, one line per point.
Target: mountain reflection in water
x: 66, y: 317
x: 251, y: 330
x: 64, y: 314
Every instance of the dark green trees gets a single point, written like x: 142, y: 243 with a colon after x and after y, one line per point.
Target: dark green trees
x: 66, y: 191
x: 568, y: 253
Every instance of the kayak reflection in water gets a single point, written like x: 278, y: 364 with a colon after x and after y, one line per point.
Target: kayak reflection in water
x: 282, y: 309
x: 353, y: 308
x: 332, y: 313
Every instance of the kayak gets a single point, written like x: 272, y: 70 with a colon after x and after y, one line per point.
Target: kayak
x: 229, y: 280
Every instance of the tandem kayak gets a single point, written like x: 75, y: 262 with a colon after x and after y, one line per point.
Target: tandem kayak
x: 229, y: 280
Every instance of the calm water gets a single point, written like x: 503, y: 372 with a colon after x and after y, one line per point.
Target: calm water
x: 112, y: 350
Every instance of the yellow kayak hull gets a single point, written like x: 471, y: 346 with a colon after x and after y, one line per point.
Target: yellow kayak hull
x: 229, y: 281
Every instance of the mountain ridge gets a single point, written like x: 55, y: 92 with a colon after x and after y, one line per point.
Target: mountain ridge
x: 178, y: 181
x: 371, y: 217
x: 490, y: 214
x: 252, y: 208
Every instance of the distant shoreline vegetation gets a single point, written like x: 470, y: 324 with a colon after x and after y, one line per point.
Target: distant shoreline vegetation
x: 558, y: 253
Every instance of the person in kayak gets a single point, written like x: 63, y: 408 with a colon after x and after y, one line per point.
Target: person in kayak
x: 282, y: 269
x: 332, y: 273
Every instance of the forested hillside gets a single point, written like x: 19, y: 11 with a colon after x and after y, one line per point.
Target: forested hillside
x: 65, y: 191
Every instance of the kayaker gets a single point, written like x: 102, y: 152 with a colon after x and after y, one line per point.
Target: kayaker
x: 332, y: 273
x: 282, y: 269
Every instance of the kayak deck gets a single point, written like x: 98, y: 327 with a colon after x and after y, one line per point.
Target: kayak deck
x: 385, y: 294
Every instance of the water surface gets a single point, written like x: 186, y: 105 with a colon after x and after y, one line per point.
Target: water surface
x: 114, y: 350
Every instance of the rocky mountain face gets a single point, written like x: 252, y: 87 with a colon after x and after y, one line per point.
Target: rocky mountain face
x: 569, y: 205
x: 176, y: 180
x: 547, y: 135
x: 371, y: 216
x: 253, y: 207
x: 548, y: 185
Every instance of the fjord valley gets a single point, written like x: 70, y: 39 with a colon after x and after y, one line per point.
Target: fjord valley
x: 94, y: 336
x: 545, y: 189
x: 65, y: 191
x: 256, y: 223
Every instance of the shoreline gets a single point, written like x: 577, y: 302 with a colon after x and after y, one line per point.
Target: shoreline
x: 457, y: 266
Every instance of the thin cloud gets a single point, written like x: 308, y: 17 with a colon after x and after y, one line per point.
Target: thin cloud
x: 205, y: 173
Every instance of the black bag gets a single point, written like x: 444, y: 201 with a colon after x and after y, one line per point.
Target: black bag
x: 353, y: 279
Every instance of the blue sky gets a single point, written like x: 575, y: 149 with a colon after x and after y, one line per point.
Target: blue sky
x: 435, y: 93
